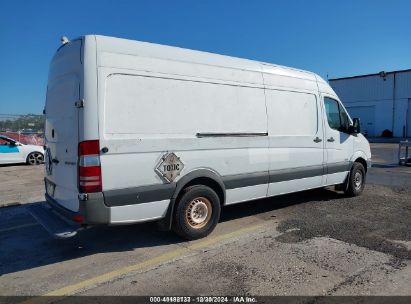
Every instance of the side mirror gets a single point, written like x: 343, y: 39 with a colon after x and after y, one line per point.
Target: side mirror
x: 355, y: 127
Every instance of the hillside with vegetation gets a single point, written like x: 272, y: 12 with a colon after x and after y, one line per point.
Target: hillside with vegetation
x: 22, y: 123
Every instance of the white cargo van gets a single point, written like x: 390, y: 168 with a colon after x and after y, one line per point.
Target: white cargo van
x: 140, y: 132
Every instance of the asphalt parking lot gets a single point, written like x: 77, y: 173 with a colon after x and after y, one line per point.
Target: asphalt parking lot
x: 310, y: 243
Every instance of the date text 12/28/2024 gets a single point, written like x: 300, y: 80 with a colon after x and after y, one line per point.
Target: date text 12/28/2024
x: 203, y: 299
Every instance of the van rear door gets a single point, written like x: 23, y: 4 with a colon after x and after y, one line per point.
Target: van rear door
x: 61, y: 130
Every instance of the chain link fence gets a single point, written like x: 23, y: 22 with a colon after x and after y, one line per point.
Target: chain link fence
x: 27, y: 129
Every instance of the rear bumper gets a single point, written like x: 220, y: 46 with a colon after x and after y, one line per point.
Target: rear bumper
x: 58, y: 221
x: 93, y: 210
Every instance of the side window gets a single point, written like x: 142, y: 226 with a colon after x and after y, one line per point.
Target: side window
x: 345, y: 121
x: 337, y: 117
x: 333, y: 113
x: 4, y: 142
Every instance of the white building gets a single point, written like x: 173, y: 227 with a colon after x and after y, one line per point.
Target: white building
x: 381, y: 101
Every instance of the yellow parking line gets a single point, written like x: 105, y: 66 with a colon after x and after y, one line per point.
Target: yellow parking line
x: 18, y: 227
x: 70, y: 289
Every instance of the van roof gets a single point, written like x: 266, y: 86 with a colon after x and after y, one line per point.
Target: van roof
x: 147, y: 49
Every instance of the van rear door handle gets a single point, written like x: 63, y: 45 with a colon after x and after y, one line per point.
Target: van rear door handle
x: 317, y: 140
x: 331, y: 139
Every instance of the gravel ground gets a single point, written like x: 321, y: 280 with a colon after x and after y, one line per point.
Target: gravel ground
x: 21, y: 184
x: 315, y: 243
x: 328, y: 246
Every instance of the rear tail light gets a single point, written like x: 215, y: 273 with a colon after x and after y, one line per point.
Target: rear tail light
x: 89, y: 166
x: 78, y: 218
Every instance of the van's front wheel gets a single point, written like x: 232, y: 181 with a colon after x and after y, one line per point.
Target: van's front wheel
x: 197, y: 212
x: 356, y: 180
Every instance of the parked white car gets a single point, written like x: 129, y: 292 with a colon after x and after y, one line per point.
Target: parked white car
x: 12, y: 151
x: 138, y: 132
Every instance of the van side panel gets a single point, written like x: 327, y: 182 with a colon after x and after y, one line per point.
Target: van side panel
x: 145, y: 106
x: 145, y: 116
x: 142, y: 212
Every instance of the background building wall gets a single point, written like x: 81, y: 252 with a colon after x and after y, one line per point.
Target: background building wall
x: 402, y: 110
x: 380, y: 102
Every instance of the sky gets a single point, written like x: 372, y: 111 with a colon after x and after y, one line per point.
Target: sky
x: 334, y: 38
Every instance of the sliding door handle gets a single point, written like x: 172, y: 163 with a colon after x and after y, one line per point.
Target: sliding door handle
x: 317, y: 140
x: 331, y: 139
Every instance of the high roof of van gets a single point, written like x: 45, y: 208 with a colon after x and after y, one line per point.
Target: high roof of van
x: 134, y: 47
x: 152, y: 50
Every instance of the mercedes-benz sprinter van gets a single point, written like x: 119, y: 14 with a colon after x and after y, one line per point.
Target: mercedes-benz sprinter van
x: 140, y: 132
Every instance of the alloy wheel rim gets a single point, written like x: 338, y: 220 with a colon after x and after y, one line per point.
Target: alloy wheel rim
x: 35, y: 158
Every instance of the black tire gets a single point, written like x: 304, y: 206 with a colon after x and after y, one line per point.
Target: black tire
x: 356, y: 180
x: 196, y: 202
x: 35, y: 158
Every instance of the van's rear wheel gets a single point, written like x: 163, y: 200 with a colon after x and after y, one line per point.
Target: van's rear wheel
x: 35, y: 158
x: 197, y: 212
x: 356, y: 181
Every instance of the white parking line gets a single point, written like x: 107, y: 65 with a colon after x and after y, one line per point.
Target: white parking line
x: 19, y: 227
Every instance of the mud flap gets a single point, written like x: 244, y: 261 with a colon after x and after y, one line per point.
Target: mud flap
x: 166, y: 223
